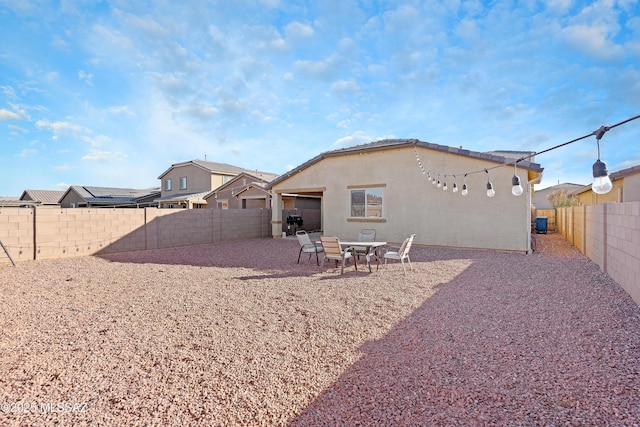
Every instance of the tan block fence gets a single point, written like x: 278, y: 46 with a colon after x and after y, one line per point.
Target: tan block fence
x: 609, y: 235
x: 45, y: 233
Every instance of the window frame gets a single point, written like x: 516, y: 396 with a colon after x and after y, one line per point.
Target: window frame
x: 371, y: 188
x: 183, y: 179
x: 168, y: 184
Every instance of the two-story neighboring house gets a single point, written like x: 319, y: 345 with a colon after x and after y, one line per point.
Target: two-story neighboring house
x: 185, y: 184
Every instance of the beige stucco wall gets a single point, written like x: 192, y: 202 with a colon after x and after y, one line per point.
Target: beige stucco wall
x: 72, y: 198
x: 411, y: 204
x: 198, y: 180
x: 631, y: 192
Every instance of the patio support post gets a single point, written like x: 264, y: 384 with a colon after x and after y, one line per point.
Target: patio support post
x: 276, y: 216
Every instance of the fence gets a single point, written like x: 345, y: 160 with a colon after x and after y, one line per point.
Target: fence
x: 609, y: 235
x: 45, y: 233
x: 551, y: 218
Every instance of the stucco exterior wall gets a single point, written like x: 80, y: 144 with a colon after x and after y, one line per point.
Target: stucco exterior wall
x: 631, y: 192
x: 411, y: 204
x: 198, y: 180
x: 72, y: 199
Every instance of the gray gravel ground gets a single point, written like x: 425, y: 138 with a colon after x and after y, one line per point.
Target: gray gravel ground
x: 239, y: 334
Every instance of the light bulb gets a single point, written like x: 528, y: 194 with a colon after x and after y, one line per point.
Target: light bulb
x: 438, y: 184
x: 455, y: 188
x: 444, y: 186
x: 465, y: 191
x: 490, y: 191
x: 601, y: 182
x: 516, y: 188
x: 602, y: 185
x: 433, y: 181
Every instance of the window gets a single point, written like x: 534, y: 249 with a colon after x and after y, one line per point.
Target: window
x: 167, y: 184
x: 366, y: 203
x: 226, y: 179
x: 222, y: 204
x: 183, y: 182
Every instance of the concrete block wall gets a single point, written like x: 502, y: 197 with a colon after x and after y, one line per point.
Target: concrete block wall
x: 578, y: 229
x: 611, y: 240
x: 623, y: 246
x: 17, y: 234
x: 37, y: 233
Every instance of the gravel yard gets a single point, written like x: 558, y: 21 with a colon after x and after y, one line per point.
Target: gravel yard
x: 239, y: 334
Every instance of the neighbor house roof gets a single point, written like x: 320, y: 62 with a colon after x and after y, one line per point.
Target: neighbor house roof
x: 111, y: 195
x: 386, y: 144
x: 45, y: 197
x: 184, y: 197
x: 540, y: 197
x: 251, y: 181
x: 10, y: 201
x: 220, y: 168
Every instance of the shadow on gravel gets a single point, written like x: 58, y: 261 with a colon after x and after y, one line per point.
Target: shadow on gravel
x: 512, y: 340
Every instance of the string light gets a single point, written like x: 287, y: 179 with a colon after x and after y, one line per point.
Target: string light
x: 516, y: 188
x: 444, y: 183
x: 490, y: 190
x: 465, y: 190
x: 602, y: 182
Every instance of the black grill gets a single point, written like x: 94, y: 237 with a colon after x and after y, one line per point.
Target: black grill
x: 294, y: 219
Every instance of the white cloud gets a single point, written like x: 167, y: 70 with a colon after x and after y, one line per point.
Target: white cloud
x: 102, y: 156
x: 28, y: 152
x: 201, y: 111
x: 59, y: 43
x: 8, y: 115
x: 51, y: 76
x: 345, y: 88
x: 358, y: 137
x: 81, y: 133
x: 60, y: 128
x: 593, y: 41
x: 298, y: 30
x: 87, y: 77
x: 121, y: 110
x: 9, y: 92
x: 18, y: 130
x: 322, y: 70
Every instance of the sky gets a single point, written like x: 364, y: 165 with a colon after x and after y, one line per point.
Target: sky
x: 112, y: 93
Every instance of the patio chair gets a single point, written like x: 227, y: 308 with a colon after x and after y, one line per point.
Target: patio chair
x: 365, y: 235
x: 333, y: 251
x: 401, y: 254
x: 307, y: 246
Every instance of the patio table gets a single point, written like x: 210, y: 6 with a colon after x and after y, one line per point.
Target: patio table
x: 373, y: 248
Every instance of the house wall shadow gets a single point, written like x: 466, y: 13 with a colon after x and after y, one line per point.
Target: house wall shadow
x: 493, y: 346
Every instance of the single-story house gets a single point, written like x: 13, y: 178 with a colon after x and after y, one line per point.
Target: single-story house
x: 540, y: 197
x: 390, y: 185
x: 243, y: 191
x: 185, y: 184
x: 626, y: 188
x: 78, y: 196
